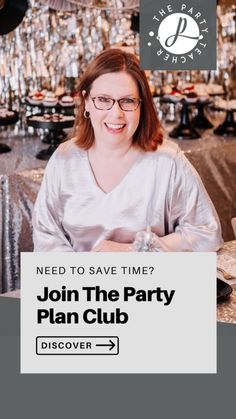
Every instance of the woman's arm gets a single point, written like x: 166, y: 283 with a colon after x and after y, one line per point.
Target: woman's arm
x: 193, y: 223
x: 48, y: 234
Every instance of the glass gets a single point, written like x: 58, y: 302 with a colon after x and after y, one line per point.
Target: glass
x: 125, y: 104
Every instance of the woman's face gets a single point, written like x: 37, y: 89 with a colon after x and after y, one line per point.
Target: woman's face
x: 114, y: 126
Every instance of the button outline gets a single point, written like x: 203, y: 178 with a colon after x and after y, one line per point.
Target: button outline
x: 85, y: 354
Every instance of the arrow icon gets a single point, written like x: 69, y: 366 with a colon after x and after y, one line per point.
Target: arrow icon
x: 111, y: 344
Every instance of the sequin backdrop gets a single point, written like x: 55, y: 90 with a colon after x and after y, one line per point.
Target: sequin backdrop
x: 52, y: 48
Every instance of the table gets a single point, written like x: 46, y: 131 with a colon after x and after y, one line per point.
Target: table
x: 21, y: 175
x: 226, y: 310
x: 214, y: 157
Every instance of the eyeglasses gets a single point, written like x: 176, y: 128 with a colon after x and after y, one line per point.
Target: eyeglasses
x: 106, y: 103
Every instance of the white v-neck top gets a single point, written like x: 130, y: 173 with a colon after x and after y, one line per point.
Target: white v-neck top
x: 161, y: 190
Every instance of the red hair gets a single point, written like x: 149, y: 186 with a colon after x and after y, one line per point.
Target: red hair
x: 148, y: 134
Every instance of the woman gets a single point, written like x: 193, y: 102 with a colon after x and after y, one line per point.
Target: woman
x: 116, y: 177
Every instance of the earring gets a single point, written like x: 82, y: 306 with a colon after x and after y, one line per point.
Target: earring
x: 86, y: 114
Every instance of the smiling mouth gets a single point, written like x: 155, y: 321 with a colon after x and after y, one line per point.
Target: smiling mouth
x: 115, y: 128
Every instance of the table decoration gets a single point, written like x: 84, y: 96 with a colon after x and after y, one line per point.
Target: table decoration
x: 55, y: 124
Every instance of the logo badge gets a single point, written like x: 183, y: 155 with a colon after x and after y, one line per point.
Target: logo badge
x: 178, y: 35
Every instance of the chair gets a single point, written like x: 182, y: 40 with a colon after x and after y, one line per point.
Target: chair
x: 233, y: 222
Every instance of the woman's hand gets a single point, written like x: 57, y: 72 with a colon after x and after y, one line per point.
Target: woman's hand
x: 110, y: 246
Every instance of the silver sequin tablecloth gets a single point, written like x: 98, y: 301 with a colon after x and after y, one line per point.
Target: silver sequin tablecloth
x: 20, y: 177
x: 226, y: 310
x: 214, y: 157
x: 215, y: 160
x: 21, y: 174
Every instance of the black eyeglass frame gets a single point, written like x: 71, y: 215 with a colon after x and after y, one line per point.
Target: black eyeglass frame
x: 114, y: 101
